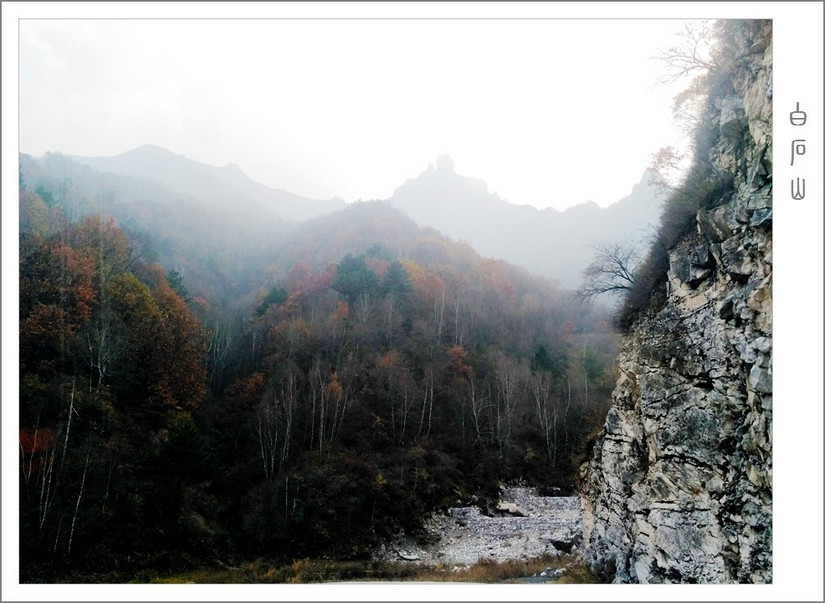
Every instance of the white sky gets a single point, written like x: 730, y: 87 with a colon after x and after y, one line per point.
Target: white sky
x: 352, y: 108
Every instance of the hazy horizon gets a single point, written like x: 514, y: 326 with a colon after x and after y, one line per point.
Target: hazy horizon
x: 352, y: 108
x: 412, y: 176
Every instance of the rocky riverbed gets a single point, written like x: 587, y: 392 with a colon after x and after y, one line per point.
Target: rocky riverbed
x: 524, y: 526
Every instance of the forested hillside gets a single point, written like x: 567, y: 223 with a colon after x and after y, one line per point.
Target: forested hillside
x: 218, y: 250
x: 111, y: 373
x: 190, y: 393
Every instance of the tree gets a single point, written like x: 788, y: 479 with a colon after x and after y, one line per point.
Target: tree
x: 510, y: 380
x: 397, y: 280
x: 611, y: 271
x: 175, y: 279
x: 701, y: 56
x: 667, y: 170
x: 276, y: 296
x: 353, y: 278
x: 691, y: 55
x: 110, y: 371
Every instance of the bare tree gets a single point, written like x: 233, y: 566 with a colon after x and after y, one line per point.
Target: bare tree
x: 694, y: 58
x: 218, y: 347
x: 510, y: 380
x: 268, y: 433
x: 548, y: 408
x: 667, y: 170
x: 106, y: 341
x: 479, y: 403
x: 692, y: 55
x: 611, y: 271
x: 428, y: 396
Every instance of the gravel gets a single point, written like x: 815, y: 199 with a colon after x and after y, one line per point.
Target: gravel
x: 464, y: 535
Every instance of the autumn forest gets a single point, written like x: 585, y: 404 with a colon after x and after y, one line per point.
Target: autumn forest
x: 198, y: 387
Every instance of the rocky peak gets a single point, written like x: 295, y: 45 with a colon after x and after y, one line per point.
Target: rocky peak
x: 444, y: 163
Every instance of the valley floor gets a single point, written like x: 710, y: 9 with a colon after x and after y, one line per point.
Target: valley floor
x: 528, y: 539
x: 526, y: 526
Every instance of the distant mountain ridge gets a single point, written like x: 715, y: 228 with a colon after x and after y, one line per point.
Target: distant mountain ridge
x: 227, y: 187
x: 548, y: 242
x: 217, y: 247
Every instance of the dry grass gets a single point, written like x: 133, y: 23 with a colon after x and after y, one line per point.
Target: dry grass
x: 488, y: 571
x: 300, y: 571
x: 579, y: 573
x: 307, y: 571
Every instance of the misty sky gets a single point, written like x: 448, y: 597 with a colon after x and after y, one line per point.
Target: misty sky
x: 352, y: 108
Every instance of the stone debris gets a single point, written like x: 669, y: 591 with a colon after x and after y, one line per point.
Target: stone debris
x: 511, y: 508
x: 464, y: 535
x: 551, y: 574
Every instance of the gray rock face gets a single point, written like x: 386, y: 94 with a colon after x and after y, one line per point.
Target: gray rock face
x: 679, y: 485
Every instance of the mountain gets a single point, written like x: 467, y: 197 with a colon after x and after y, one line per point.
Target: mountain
x: 218, y: 249
x: 548, y: 242
x: 213, y: 362
x: 326, y: 395
x: 226, y: 187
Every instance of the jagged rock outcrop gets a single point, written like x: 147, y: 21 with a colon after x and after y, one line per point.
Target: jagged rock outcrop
x: 679, y: 485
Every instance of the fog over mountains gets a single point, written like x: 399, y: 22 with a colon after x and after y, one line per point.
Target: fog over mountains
x: 548, y: 242
x: 551, y: 243
x: 225, y: 187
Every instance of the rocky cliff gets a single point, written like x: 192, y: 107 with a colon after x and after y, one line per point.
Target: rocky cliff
x: 678, y: 488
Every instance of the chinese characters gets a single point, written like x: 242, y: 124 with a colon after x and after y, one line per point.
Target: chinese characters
x: 798, y: 119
